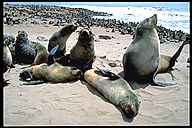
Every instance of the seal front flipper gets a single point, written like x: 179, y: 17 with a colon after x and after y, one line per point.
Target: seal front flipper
x: 107, y: 73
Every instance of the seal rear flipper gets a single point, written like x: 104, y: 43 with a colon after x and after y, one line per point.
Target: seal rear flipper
x: 34, y: 82
x: 161, y: 84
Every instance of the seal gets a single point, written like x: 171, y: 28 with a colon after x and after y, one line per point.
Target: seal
x: 55, y: 73
x: 10, y: 42
x: 115, y: 89
x: 24, y: 52
x: 41, y: 53
x: 7, y: 58
x: 60, y: 38
x: 82, y: 55
x: 168, y: 62
x: 141, y: 58
x: 7, y: 61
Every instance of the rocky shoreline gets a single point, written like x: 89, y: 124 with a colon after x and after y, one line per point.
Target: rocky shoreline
x: 59, y: 16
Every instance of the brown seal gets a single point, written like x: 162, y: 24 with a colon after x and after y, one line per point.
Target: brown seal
x: 167, y: 62
x: 55, y: 73
x: 82, y: 54
x: 60, y: 38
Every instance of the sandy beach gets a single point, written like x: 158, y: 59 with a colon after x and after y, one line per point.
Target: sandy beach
x: 79, y: 104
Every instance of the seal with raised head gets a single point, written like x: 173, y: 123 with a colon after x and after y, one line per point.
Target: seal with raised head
x: 60, y: 38
x: 167, y: 62
x: 115, y: 89
x: 141, y: 58
x: 82, y: 55
x: 41, y: 53
x: 24, y: 52
x: 55, y: 73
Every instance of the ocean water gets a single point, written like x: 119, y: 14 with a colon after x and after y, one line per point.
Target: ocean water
x: 172, y: 15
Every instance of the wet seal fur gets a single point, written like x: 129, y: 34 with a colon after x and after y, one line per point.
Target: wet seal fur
x: 141, y: 59
x: 115, y: 89
x: 60, y: 38
x: 82, y: 55
x: 55, y: 73
x: 24, y: 52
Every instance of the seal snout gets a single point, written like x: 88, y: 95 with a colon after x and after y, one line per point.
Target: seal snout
x: 129, y: 111
x: 76, y: 71
x: 154, y: 19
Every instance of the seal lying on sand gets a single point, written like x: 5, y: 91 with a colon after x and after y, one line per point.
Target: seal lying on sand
x: 141, y: 59
x: 82, y: 54
x: 24, y: 53
x: 55, y: 73
x: 59, y: 38
x: 167, y: 62
x: 115, y: 89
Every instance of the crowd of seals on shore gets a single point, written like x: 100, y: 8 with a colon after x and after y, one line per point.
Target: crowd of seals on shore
x: 59, y: 16
x: 55, y: 71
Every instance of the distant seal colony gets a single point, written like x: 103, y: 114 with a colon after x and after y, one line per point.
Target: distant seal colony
x: 141, y: 59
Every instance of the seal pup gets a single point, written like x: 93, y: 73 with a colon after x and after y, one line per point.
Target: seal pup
x: 115, y: 89
x: 167, y: 62
x: 141, y: 58
x: 24, y: 52
x: 59, y: 38
x: 82, y: 55
x: 55, y: 73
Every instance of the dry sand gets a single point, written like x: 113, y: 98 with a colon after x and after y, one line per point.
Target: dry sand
x: 79, y: 104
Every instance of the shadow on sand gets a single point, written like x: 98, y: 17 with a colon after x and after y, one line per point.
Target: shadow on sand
x: 134, y: 85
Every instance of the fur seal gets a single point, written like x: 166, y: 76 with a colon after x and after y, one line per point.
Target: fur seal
x: 115, y: 89
x: 10, y: 42
x: 55, y: 73
x: 141, y: 59
x: 59, y: 38
x: 24, y: 53
x: 167, y: 62
x: 82, y: 55
x: 41, y: 53
x: 7, y: 58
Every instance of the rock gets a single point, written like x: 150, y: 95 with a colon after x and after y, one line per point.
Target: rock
x: 112, y: 64
x: 41, y: 38
x: 102, y: 57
